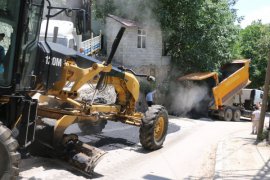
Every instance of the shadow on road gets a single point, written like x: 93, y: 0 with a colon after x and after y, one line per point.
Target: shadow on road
x: 123, y: 140
x: 264, y: 172
x: 154, y: 177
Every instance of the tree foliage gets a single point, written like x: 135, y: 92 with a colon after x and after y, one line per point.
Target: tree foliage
x: 102, y: 8
x: 200, y: 33
x: 254, y: 43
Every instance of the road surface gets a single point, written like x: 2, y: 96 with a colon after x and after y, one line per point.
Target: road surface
x: 188, y: 153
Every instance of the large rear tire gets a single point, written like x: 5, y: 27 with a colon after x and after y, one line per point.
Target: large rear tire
x: 154, y: 127
x: 9, y: 157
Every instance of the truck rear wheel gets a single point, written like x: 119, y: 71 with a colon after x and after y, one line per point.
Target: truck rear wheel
x: 236, y: 115
x: 154, y: 127
x: 9, y: 157
x: 228, y: 114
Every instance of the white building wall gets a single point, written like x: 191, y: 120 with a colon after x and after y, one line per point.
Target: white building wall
x: 143, y: 56
x: 128, y: 54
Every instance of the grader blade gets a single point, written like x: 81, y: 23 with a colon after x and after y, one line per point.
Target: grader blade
x: 86, y: 158
x: 67, y: 147
x: 81, y: 155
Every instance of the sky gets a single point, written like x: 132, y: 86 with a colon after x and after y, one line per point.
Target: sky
x: 253, y: 10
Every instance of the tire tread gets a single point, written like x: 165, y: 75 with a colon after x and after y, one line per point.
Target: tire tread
x: 148, y: 125
x: 11, y: 145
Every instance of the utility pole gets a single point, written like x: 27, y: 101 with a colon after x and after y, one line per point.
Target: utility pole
x: 265, y: 97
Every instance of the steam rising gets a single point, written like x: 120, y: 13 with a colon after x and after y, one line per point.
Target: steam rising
x: 190, y: 98
x: 137, y: 10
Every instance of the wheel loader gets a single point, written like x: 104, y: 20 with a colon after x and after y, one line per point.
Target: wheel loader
x: 57, y: 73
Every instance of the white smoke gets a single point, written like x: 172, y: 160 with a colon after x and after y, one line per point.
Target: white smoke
x: 133, y: 10
x: 189, y: 97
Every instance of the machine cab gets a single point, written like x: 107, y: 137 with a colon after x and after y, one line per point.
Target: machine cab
x: 19, y: 24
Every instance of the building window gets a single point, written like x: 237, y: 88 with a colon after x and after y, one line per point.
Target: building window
x: 141, y: 38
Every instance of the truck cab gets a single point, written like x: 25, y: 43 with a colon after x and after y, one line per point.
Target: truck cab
x: 65, y: 35
x: 68, y: 37
x: 248, y: 98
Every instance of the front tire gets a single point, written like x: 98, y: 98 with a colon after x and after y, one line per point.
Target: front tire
x: 9, y: 157
x: 154, y: 127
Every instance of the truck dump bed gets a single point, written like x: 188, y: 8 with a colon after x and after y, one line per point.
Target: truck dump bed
x: 234, y: 77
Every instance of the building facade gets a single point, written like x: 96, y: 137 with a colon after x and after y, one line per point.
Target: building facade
x: 140, y: 48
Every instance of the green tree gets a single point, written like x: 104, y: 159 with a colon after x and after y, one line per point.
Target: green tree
x: 201, y: 34
x: 102, y: 8
x: 254, y: 45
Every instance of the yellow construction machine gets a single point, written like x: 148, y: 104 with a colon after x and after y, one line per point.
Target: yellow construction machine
x: 57, y: 73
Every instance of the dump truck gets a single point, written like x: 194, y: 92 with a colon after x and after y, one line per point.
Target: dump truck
x: 32, y: 66
x: 225, y: 89
x: 67, y: 36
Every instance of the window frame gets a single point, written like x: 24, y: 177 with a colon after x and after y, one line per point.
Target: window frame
x: 141, y: 40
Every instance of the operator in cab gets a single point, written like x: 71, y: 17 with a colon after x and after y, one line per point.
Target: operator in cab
x: 2, y: 53
x: 2, y: 50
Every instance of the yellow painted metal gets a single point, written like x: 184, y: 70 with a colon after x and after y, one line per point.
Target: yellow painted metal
x: 74, y: 103
x: 133, y: 85
x: 133, y: 119
x: 159, y: 128
x: 17, y: 122
x: 232, y: 84
x: 120, y: 88
x: 45, y: 100
x: 61, y: 125
x: 132, y: 122
x: 105, y: 108
x: 127, y: 91
x: 199, y: 76
x: 56, y: 113
x: 79, y: 76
